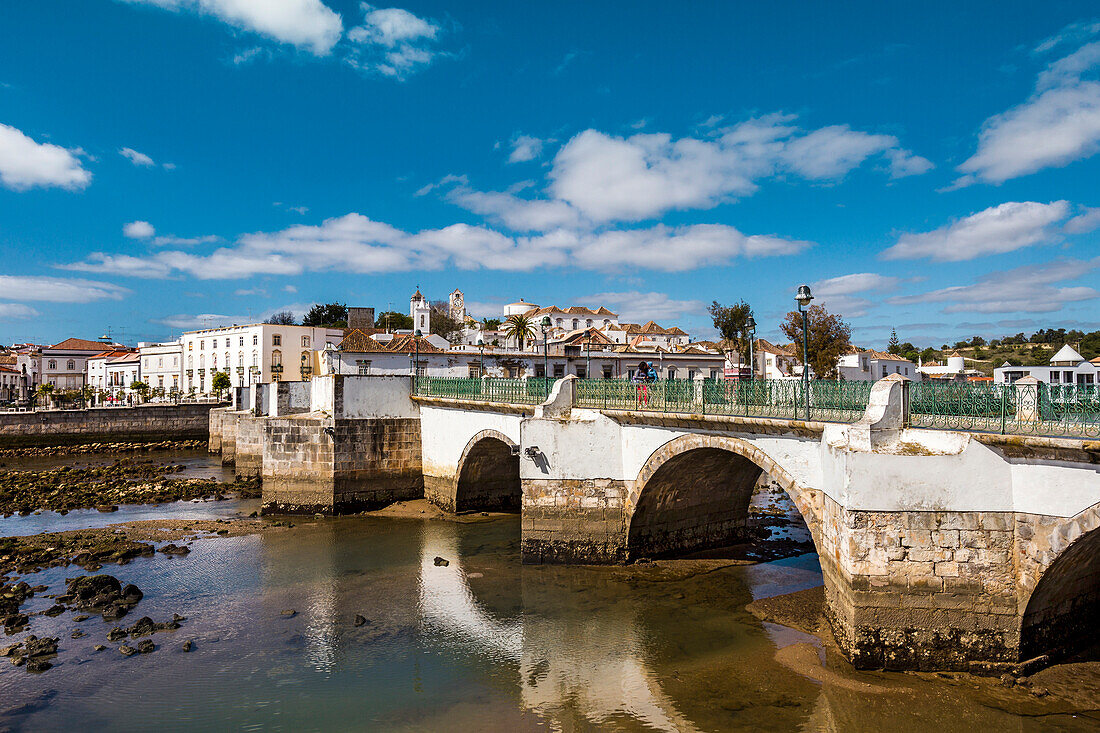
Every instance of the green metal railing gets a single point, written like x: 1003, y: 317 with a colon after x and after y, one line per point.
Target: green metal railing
x: 830, y: 401
x: 1011, y: 409
x: 531, y: 391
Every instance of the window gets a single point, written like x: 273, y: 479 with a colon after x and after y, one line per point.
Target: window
x: 160, y: 362
x: 576, y: 324
x: 202, y: 345
x: 70, y: 365
x: 305, y: 358
x: 255, y: 358
x: 51, y: 364
x: 190, y: 361
x: 559, y: 323
x: 672, y: 372
x: 362, y: 366
x: 559, y: 371
x: 473, y: 371
x: 884, y: 370
x: 588, y: 323
x: 160, y: 382
x: 606, y: 323
x: 242, y: 341
x: 214, y: 344
x: 691, y: 374
x: 240, y: 360
x: 581, y: 372
x: 255, y: 340
x: 714, y: 374
x: 202, y: 361
x: 607, y: 371
x: 305, y: 341
x: 190, y: 345
x: 540, y: 371
x: 276, y: 357
x: 276, y: 339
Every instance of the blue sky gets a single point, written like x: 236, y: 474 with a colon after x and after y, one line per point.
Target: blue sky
x: 169, y: 164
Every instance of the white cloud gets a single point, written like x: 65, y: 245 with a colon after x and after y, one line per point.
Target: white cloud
x: 174, y: 241
x: 1088, y: 220
x: 215, y: 320
x: 246, y: 292
x: 638, y: 307
x: 58, y: 289
x: 524, y: 148
x: 138, y: 159
x: 1058, y: 124
x: 355, y: 243
x: 138, y: 230
x: 1004, y: 228
x: 16, y: 310
x: 843, y: 294
x: 392, y: 42
x: 515, y: 213
x: 610, y: 178
x: 289, y: 289
x: 1026, y: 289
x: 25, y: 164
x: 308, y: 24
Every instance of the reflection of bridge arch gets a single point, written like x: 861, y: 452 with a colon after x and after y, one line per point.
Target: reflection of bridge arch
x: 594, y: 669
x: 488, y: 473
x: 1060, y: 581
x: 693, y: 492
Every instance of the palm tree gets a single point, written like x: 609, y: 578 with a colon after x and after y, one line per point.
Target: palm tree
x: 45, y: 390
x: 519, y: 327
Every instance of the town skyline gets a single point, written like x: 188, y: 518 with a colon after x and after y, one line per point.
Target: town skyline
x: 338, y: 152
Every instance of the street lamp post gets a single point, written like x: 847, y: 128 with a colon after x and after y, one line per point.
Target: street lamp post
x: 588, y: 356
x: 804, y: 297
x: 750, y: 327
x: 481, y: 364
x: 545, y: 324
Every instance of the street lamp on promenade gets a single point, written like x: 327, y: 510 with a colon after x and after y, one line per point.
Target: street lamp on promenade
x: 588, y: 356
x: 545, y: 324
x: 804, y: 297
x: 750, y: 328
x: 481, y: 348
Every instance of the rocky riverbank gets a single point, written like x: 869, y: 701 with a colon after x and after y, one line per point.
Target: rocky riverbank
x: 126, y: 481
x: 85, y: 448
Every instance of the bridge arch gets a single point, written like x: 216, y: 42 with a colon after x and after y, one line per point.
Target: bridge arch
x: 694, y: 491
x: 1064, y: 600
x: 488, y: 474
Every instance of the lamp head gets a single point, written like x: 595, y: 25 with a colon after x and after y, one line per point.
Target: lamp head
x: 750, y: 324
x: 418, y: 333
x: 545, y: 323
x: 804, y: 296
x: 481, y: 342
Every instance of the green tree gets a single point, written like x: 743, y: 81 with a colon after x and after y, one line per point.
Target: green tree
x: 893, y: 346
x: 928, y: 355
x: 329, y: 315
x: 45, y: 391
x: 829, y: 337
x: 394, y: 321
x: 440, y: 321
x: 281, y: 318
x: 142, y: 389
x: 220, y: 382
x: 519, y: 327
x: 730, y: 322
x: 491, y: 324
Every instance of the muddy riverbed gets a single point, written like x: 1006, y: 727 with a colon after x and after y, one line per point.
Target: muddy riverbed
x: 407, y: 620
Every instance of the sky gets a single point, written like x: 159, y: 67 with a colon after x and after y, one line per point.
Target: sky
x: 174, y: 164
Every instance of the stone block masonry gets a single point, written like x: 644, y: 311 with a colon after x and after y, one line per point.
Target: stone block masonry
x: 576, y: 521
x: 318, y: 464
x: 149, y: 423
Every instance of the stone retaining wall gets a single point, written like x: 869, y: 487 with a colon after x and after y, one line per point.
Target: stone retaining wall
x: 106, y: 425
x: 249, y: 445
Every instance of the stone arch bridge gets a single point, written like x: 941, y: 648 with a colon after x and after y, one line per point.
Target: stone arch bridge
x: 938, y: 549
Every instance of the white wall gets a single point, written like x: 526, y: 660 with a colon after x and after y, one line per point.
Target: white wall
x: 446, y: 432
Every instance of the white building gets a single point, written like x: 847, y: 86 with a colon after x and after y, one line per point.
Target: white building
x: 954, y: 367
x: 772, y: 361
x: 1066, y: 367
x: 122, y: 371
x: 257, y: 352
x: 871, y: 365
x: 11, y: 383
x: 161, y: 366
x: 65, y: 364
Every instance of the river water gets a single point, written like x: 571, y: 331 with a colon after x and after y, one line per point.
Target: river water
x: 483, y: 643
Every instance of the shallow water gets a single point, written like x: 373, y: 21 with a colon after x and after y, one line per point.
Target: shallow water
x: 481, y: 644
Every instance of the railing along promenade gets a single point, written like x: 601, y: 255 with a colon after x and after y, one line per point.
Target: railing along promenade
x: 1008, y: 409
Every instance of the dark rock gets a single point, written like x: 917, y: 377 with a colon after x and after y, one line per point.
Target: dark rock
x: 77, y: 634
x: 116, y: 634
x: 39, y: 588
x: 10, y: 650
x: 174, y: 549
x: 186, y: 646
x: 90, y: 589
x: 37, y: 666
x: 289, y: 613
x: 145, y: 646
x: 99, y: 647
x: 141, y: 627
x: 15, y: 623
x: 114, y: 611
x: 81, y: 617
x: 441, y: 563
x: 127, y: 651
x: 177, y: 618
x: 359, y: 620
x: 106, y: 508
x: 35, y: 647
x: 55, y: 610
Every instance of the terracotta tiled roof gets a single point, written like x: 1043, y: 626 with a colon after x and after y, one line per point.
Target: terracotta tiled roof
x: 582, y: 336
x: 124, y: 357
x: 8, y: 369
x: 8, y: 359
x: 112, y: 354
x: 358, y: 342
x: 770, y: 348
x: 74, y: 344
x: 407, y: 343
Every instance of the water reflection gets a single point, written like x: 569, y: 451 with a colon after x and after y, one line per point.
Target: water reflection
x: 592, y: 668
